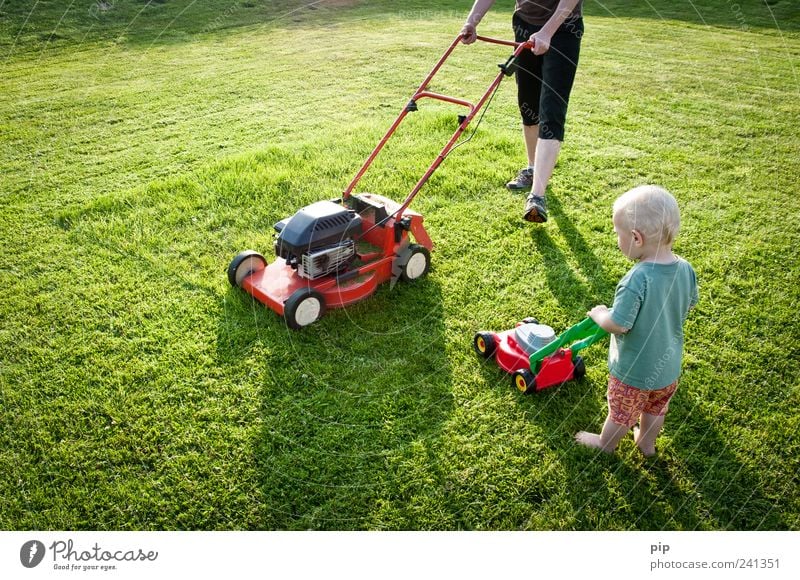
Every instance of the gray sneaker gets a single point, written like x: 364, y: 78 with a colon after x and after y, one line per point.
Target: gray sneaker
x: 535, y: 209
x: 524, y: 180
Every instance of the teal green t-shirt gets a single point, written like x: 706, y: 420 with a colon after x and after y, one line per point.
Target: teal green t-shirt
x: 652, y: 300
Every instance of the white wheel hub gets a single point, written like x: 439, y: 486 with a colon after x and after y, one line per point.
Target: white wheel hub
x: 308, y: 311
x: 416, y: 266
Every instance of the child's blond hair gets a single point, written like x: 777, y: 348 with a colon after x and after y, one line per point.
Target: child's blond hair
x: 652, y: 210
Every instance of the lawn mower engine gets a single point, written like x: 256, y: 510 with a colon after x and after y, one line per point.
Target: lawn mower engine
x: 319, y: 239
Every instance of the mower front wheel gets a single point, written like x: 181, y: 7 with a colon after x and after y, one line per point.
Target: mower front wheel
x: 305, y: 306
x: 524, y: 380
x: 244, y: 264
x: 418, y: 263
x: 484, y: 344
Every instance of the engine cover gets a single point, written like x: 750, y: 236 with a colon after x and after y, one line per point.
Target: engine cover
x: 318, y: 239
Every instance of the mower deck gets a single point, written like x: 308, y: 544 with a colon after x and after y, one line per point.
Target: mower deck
x: 273, y: 286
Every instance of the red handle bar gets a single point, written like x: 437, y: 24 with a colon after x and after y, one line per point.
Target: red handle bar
x: 420, y: 93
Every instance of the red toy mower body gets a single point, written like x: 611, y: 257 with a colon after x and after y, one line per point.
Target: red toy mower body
x: 333, y: 253
x: 535, y: 369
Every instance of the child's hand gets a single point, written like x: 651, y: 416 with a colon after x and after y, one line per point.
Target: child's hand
x: 598, y: 313
x: 602, y: 316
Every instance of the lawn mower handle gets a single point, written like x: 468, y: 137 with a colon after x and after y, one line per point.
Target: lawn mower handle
x: 411, y: 106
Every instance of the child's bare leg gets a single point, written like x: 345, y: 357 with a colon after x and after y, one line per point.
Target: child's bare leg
x: 645, y: 436
x: 607, y: 440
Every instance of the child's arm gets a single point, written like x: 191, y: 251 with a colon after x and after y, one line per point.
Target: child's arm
x: 602, y: 316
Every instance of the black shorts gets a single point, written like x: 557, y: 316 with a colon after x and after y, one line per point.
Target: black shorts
x: 544, y: 82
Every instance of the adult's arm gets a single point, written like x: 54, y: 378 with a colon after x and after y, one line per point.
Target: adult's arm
x: 541, y: 39
x: 469, y: 32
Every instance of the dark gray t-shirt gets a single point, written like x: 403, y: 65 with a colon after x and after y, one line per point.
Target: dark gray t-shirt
x: 539, y: 11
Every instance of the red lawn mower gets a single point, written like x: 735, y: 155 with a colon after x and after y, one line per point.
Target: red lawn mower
x: 333, y: 253
x: 534, y: 356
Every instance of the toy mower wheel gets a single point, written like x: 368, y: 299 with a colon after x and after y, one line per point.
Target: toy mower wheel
x: 530, y: 320
x: 418, y: 263
x: 524, y: 380
x: 244, y: 264
x: 484, y: 344
x: 580, y: 368
x: 305, y: 306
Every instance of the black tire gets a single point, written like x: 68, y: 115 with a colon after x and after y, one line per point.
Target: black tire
x: 418, y: 263
x: 484, y: 344
x: 244, y: 264
x: 530, y: 320
x: 524, y: 381
x: 580, y: 368
x: 304, y: 307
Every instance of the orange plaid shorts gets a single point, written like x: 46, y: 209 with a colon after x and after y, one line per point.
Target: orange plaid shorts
x: 626, y: 403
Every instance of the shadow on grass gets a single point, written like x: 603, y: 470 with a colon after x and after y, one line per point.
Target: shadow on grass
x: 30, y: 27
x: 576, y: 294
x: 342, y: 405
x: 34, y: 24
x: 767, y: 15
x: 315, y: 422
x: 695, y: 483
x: 725, y: 485
x: 161, y: 22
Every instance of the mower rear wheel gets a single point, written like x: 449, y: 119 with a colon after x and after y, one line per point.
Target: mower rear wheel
x: 484, y: 344
x: 580, y: 368
x: 305, y: 306
x: 418, y: 263
x: 524, y: 380
x: 244, y: 264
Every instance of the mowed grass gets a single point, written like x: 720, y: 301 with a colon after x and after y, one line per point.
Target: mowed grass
x: 142, y: 147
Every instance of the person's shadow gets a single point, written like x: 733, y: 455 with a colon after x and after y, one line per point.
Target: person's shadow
x: 578, y: 288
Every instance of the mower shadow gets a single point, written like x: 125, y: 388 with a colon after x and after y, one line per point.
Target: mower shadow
x: 340, y: 405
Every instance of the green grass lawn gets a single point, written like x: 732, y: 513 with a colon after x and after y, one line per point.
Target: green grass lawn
x: 145, y: 144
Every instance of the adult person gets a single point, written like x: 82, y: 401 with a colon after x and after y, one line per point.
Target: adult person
x: 544, y: 81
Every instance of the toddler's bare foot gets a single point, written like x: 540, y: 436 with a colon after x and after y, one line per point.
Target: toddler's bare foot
x: 589, y: 440
x: 646, y: 451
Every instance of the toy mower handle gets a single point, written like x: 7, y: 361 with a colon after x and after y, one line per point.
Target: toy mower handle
x: 586, y: 333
